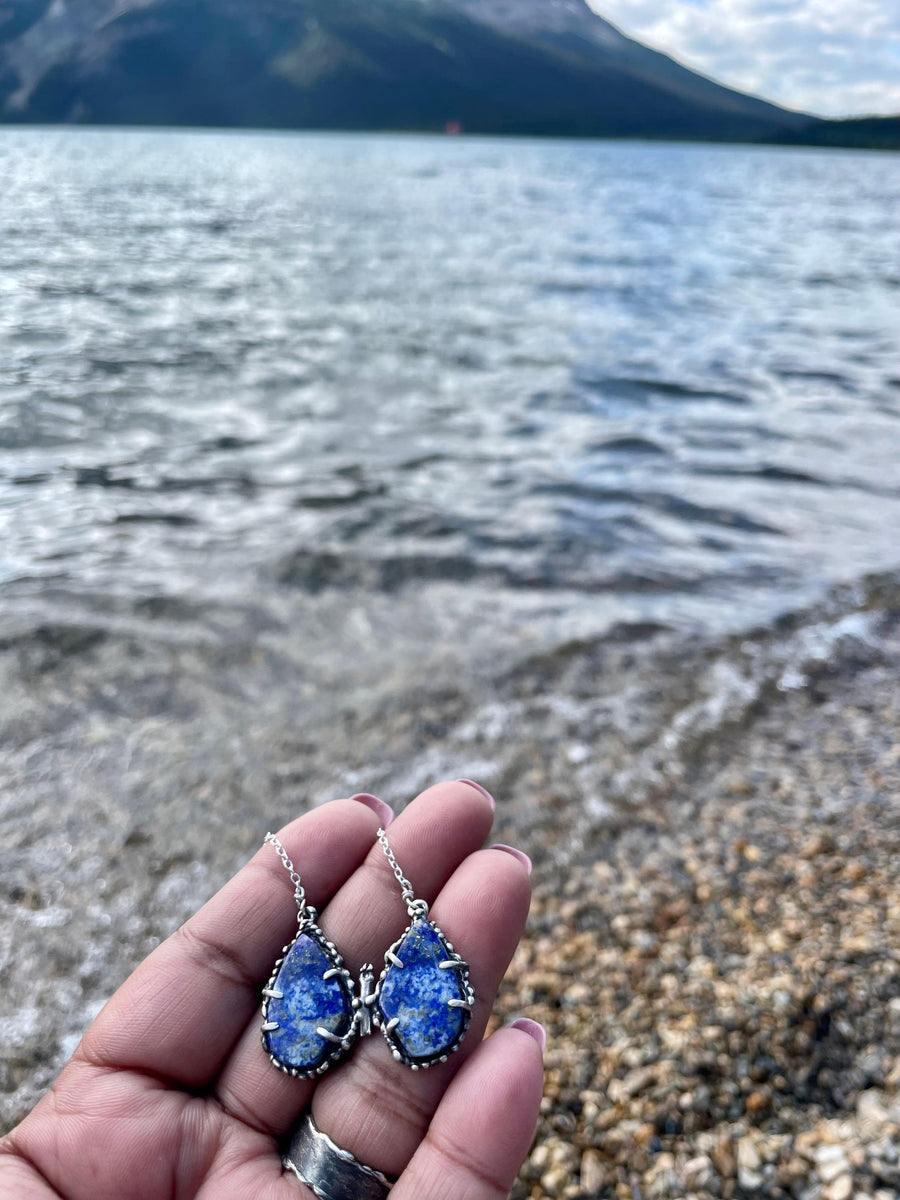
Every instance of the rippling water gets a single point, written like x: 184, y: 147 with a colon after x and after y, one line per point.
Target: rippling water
x: 349, y: 463
x: 503, y: 390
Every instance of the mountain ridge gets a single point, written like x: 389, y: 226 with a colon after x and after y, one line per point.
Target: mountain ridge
x: 488, y: 66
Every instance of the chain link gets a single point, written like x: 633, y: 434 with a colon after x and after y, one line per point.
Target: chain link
x: 415, y: 908
x: 299, y: 893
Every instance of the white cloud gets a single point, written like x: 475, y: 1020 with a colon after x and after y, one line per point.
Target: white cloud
x: 834, y: 57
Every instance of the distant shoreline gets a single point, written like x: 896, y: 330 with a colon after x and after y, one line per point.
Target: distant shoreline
x: 855, y: 133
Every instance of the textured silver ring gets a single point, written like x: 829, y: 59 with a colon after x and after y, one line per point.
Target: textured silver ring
x: 332, y: 1173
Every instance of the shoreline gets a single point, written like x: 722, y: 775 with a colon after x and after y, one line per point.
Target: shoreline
x: 714, y: 940
x: 721, y: 985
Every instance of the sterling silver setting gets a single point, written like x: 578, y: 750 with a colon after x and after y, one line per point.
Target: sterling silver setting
x: 364, y: 1008
x: 453, y: 962
x: 309, y: 928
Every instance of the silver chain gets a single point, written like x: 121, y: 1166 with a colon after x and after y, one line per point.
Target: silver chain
x: 299, y: 893
x: 415, y: 908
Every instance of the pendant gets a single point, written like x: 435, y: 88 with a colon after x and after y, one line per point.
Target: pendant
x: 309, y: 1011
x: 424, y: 1001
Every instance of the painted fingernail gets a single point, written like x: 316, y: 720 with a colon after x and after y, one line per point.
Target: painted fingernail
x: 533, y: 1029
x: 380, y: 808
x: 479, y: 788
x: 519, y: 854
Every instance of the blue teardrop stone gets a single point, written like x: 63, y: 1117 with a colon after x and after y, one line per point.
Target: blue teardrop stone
x: 309, y: 1002
x: 418, y: 993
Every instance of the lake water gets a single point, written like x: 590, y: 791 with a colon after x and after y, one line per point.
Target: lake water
x: 564, y: 384
x: 350, y: 463
x: 293, y: 427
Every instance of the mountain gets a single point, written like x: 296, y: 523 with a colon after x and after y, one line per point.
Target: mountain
x: 493, y: 66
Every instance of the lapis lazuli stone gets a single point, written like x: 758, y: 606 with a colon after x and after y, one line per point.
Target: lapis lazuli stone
x: 309, y: 1002
x: 418, y: 993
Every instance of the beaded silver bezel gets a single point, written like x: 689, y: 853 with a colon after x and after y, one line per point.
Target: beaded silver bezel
x: 311, y: 930
x: 468, y: 999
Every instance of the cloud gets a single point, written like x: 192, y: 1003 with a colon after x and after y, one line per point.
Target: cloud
x: 831, y: 57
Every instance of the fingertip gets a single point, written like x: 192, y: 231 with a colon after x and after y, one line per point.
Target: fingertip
x: 534, y: 1029
x: 478, y: 788
x: 519, y: 855
x: 381, y: 808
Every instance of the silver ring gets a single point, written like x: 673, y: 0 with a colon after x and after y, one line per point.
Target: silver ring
x: 332, y: 1173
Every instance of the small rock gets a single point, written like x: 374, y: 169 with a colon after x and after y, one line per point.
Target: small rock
x: 749, y: 1175
x: 806, y: 1143
x: 872, y: 1113
x: 540, y: 1156
x: 839, y: 1189
x: 699, y: 1172
x: 831, y: 1163
x: 747, y: 1154
x: 592, y: 1173
x: 792, y: 1171
x: 722, y: 1155
x: 554, y: 1180
x: 644, y: 1135
x: 751, y: 1181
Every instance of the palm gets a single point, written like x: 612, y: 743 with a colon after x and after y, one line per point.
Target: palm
x: 122, y: 1134
x: 170, y: 1094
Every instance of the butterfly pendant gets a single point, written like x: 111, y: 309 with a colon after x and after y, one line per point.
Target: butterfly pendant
x: 422, y: 1002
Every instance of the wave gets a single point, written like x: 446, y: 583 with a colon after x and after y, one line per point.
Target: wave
x: 662, y: 502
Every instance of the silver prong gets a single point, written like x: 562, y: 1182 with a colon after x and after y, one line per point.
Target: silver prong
x: 392, y: 957
x: 270, y: 1026
x: 273, y: 994
x: 329, y: 1037
x: 459, y: 1004
x: 392, y: 1023
x: 453, y: 964
x: 330, y: 974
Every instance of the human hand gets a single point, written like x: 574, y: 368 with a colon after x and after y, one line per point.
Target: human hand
x: 171, y: 1095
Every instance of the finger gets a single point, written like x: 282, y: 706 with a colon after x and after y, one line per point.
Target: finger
x: 480, y: 1134
x: 19, y: 1178
x: 433, y: 834
x: 180, y: 1012
x: 378, y: 1108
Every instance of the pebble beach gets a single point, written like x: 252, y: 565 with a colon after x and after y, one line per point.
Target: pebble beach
x: 721, y: 983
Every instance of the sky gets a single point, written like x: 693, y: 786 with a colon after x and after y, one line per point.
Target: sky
x: 831, y: 57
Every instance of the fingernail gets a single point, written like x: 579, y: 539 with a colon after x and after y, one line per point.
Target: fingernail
x: 479, y: 788
x: 380, y: 808
x: 519, y: 854
x: 533, y: 1029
